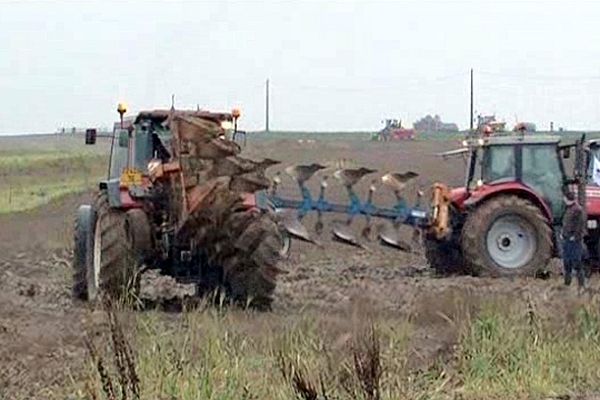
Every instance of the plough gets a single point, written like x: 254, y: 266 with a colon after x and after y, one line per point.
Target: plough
x: 419, y: 216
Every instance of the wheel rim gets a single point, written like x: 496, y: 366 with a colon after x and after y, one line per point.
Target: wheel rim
x: 96, y: 263
x: 511, y: 242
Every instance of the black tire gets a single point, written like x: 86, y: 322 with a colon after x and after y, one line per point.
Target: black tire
x: 139, y: 234
x: 249, y: 251
x: 479, y: 223
x: 117, y: 264
x: 82, y: 240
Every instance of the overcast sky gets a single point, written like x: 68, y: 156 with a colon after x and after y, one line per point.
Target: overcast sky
x: 336, y: 65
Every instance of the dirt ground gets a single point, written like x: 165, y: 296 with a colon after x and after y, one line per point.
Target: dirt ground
x: 41, y: 328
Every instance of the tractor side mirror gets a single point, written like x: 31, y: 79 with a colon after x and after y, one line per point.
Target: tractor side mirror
x: 123, y: 138
x: 90, y: 136
x: 567, y: 152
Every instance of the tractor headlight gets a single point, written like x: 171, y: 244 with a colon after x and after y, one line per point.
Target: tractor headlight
x: 479, y: 183
x: 480, y: 142
x: 226, y: 125
x: 465, y: 143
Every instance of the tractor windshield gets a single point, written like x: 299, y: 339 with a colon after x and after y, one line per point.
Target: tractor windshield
x: 498, y: 163
x: 149, y: 141
x: 542, y: 172
x: 118, y: 161
x: 594, y: 166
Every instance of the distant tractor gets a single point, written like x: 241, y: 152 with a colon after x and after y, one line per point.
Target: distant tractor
x: 488, y: 125
x: 179, y: 199
x: 528, y: 127
x: 393, y: 131
x: 507, y: 218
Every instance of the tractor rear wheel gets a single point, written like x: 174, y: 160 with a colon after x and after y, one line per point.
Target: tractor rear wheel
x: 506, y: 236
x: 111, y: 266
x: 249, y: 250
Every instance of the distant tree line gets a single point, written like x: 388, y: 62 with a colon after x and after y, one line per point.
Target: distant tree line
x: 434, y: 124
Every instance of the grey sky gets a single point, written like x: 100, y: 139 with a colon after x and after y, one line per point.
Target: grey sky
x: 333, y: 65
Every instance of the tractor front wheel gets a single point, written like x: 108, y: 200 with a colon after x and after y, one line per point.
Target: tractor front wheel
x: 506, y: 236
x: 82, y: 243
x: 111, y: 265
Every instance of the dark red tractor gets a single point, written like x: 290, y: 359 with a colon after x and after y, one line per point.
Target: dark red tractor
x: 506, y: 220
x: 178, y: 199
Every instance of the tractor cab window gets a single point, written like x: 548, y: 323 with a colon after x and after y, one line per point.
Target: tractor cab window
x: 142, y: 151
x: 542, y: 172
x: 118, y: 160
x: 593, y: 172
x: 498, y: 163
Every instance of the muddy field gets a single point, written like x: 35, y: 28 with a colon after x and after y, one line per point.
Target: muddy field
x: 41, y: 329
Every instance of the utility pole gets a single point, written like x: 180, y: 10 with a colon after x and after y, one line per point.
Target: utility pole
x: 471, y: 113
x: 267, y: 106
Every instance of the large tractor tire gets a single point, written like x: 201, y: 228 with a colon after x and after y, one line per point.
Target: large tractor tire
x: 82, y: 246
x: 111, y: 265
x: 251, y: 245
x: 506, y: 236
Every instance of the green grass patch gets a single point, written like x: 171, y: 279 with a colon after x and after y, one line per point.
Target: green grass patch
x: 212, y: 354
x: 27, y: 197
x: 29, y: 179
x: 505, y: 356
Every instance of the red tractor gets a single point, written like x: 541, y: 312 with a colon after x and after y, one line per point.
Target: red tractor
x: 178, y: 199
x: 506, y: 220
x: 393, y: 130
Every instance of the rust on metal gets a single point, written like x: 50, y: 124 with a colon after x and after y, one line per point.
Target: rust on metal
x: 440, y: 204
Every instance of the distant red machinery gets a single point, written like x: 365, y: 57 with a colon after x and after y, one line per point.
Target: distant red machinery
x: 393, y: 130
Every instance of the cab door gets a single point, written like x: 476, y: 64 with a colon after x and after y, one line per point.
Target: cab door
x: 541, y: 170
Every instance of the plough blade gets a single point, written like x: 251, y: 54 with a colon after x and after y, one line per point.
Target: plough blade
x: 343, y: 233
x: 294, y: 227
x: 398, y: 181
x: 389, y: 236
x: 350, y: 177
x: 302, y: 173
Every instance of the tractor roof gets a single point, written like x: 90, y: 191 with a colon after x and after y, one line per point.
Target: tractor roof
x: 522, y: 139
x: 161, y: 116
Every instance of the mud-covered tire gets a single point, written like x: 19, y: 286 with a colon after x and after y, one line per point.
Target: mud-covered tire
x: 111, y: 265
x: 443, y: 256
x: 249, y: 252
x: 82, y: 241
x: 506, y: 236
x: 139, y: 234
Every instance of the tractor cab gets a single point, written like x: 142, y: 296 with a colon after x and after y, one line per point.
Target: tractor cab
x: 527, y: 166
x: 137, y: 141
x: 136, y: 144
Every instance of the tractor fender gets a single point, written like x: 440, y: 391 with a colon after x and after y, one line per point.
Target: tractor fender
x: 487, y: 192
x: 113, y: 192
x: 118, y: 196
